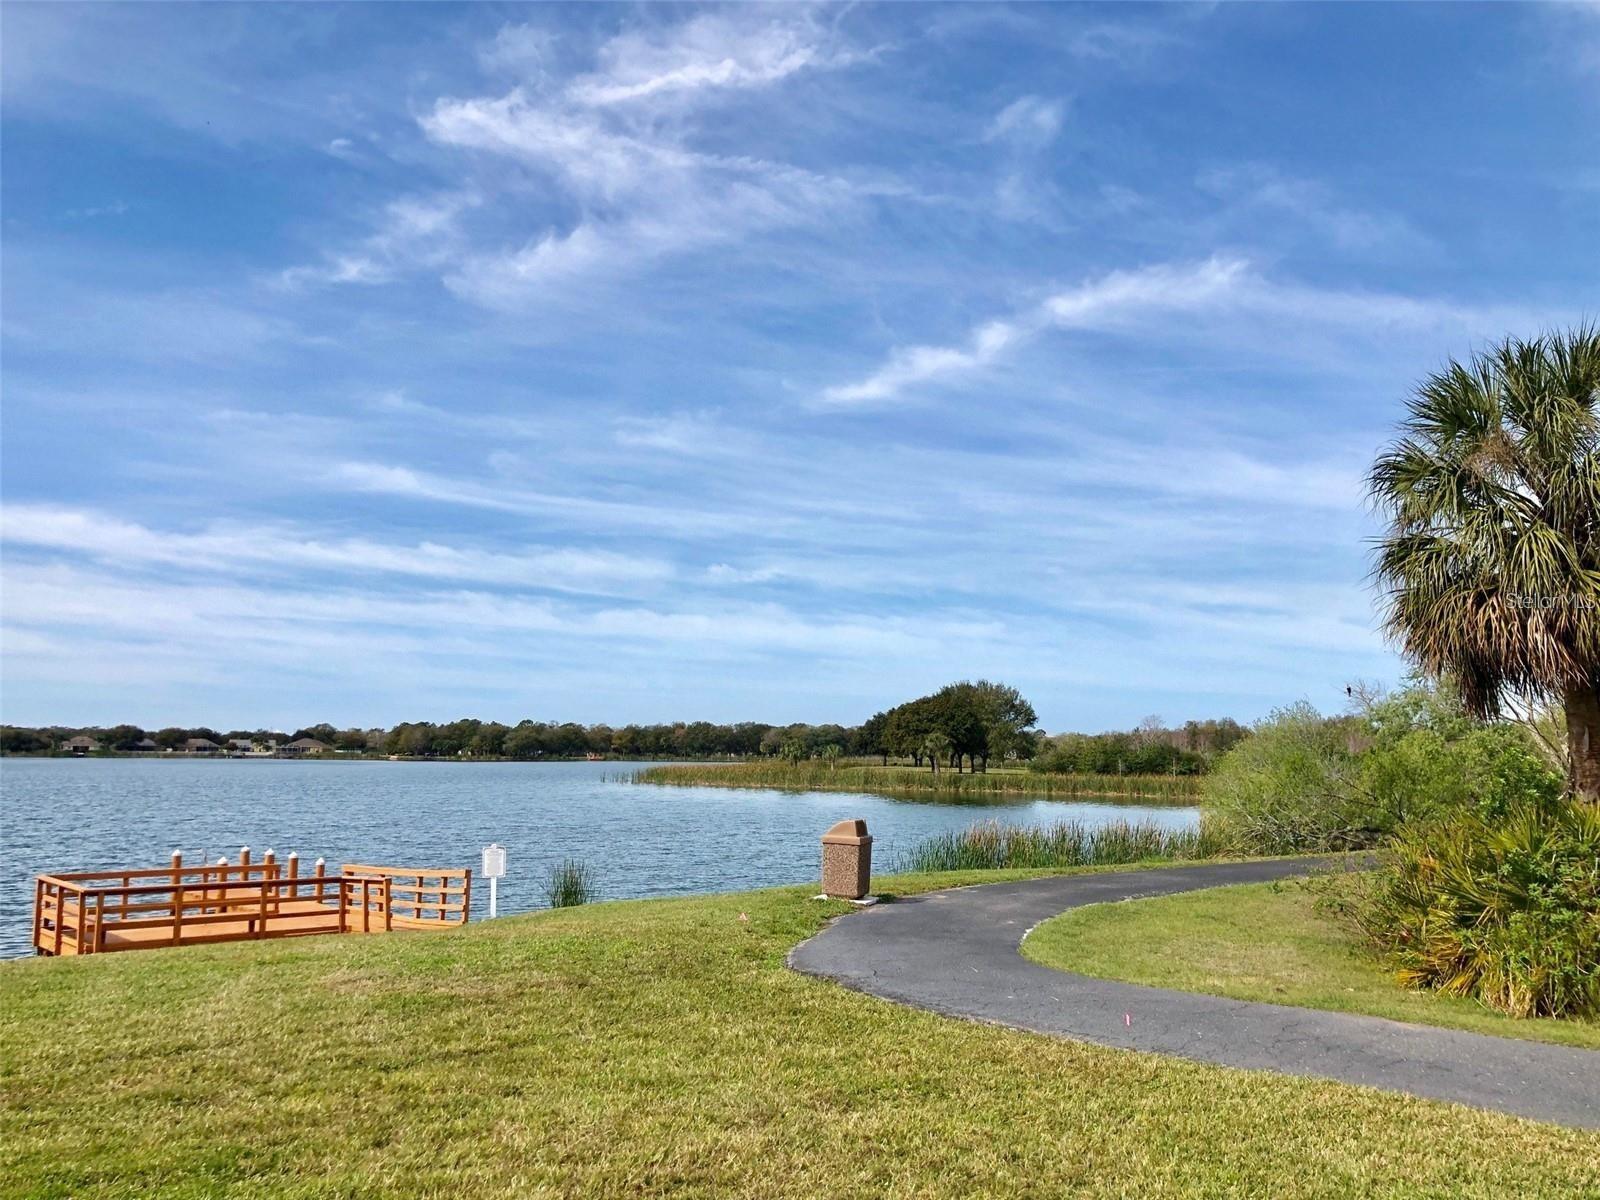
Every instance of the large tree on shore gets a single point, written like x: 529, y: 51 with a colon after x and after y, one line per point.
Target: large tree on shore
x: 1491, y: 560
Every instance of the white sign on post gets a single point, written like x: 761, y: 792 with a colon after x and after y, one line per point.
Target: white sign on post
x: 494, y: 866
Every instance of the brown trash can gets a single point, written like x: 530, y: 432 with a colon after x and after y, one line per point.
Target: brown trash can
x: 847, y: 860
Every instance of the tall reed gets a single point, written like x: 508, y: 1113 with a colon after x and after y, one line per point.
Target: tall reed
x: 569, y: 884
x: 821, y: 777
x: 990, y: 845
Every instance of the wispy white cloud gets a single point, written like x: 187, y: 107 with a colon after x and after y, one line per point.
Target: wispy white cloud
x: 385, y: 479
x: 1096, y: 303
x: 415, y: 231
x: 1124, y: 43
x: 620, y: 143
x: 1211, y: 469
x: 1025, y: 129
x: 915, y: 365
x: 713, y: 51
x: 60, y: 596
x: 690, y: 434
x: 1030, y: 121
x: 1571, y: 36
x: 341, y: 268
x: 524, y: 51
x: 642, y: 195
x: 1273, y: 315
x: 115, y: 208
x: 1254, y: 190
x: 148, y: 324
x: 1164, y: 288
x: 280, y: 548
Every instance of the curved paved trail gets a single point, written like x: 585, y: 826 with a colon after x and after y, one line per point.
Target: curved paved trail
x: 956, y: 952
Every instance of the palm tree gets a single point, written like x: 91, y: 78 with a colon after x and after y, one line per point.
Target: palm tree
x: 936, y: 745
x: 1491, y: 560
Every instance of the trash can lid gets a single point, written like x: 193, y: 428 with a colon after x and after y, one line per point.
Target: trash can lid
x: 848, y: 833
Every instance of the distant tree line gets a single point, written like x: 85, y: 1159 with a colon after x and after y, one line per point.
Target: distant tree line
x: 470, y: 738
x: 962, y: 726
x: 1150, y: 749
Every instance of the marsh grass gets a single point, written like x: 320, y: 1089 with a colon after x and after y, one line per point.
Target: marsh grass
x: 990, y: 845
x: 823, y: 777
x: 569, y: 884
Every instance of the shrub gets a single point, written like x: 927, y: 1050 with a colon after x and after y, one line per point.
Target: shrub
x: 1426, y: 757
x: 1506, y: 910
x: 990, y: 845
x: 1308, y: 783
x: 1290, y: 787
x: 569, y: 884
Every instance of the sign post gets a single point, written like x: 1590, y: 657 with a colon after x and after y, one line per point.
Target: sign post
x: 494, y: 866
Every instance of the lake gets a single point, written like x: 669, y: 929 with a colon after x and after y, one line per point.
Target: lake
x: 639, y: 840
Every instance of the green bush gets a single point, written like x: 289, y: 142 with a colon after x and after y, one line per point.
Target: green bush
x: 1425, y: 757
x: 1290, y: 787
x: 1309, y: 783
x: 1505, y: 909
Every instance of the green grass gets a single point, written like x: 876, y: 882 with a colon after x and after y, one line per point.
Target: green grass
x: 1266, y: 942
x: 650, y: 1049
x: 859, y: 777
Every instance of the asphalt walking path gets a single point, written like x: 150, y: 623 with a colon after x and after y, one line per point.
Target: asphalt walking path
x: 956, y: 952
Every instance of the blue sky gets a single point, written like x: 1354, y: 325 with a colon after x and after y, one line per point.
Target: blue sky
x: 370, y: 363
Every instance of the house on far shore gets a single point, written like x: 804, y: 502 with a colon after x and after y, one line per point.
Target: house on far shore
x: 200, y: 746
x: 80, y: 745
x: 145, y: 746
x: 303, y: 746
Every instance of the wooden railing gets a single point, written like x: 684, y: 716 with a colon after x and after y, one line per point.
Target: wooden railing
x: 417, y: 892
x: 94, y: 912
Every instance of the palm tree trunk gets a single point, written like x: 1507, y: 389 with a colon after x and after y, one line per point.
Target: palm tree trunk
x: 1583, y: 742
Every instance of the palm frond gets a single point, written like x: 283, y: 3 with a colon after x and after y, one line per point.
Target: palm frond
x: 1490, y: 565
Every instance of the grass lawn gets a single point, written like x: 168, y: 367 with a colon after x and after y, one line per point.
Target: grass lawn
x: 655, y: 1048
x: 1262, y: 941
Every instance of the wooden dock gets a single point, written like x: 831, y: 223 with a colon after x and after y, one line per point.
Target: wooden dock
x: 97, y: 912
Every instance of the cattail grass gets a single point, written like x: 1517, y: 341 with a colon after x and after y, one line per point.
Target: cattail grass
x: 569, y: 884
x: 901, y: 781
x: 990, y: 845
